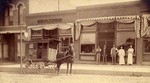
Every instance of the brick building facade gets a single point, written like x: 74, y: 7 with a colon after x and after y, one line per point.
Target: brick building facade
x: 91, y: 26
x: 12, y: 21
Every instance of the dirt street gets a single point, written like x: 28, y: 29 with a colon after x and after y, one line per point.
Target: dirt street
x: 7, y: 77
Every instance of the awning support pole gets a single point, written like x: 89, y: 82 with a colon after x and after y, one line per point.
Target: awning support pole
x: 20, y: 49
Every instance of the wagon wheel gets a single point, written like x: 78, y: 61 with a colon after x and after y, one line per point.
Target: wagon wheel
x: 26, y: 64
x: 40, y: 67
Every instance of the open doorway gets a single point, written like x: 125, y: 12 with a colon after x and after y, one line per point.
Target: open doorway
x: 8, y: 47
x: 106, y: 36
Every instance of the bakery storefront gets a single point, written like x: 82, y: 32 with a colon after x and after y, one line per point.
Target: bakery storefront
x: 93, y: 32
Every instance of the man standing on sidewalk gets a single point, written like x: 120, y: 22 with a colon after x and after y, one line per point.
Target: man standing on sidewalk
x: 104, y: 54
x: 98, y: 54
x: 113, y: 54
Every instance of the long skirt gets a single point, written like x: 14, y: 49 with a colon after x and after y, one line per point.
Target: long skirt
x: 121, y: 60
x: 130, y: 59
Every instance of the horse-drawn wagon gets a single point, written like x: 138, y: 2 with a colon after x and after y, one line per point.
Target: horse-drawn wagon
x: 44, y: 53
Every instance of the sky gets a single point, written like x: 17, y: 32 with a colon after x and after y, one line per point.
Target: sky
x: 38, y: 6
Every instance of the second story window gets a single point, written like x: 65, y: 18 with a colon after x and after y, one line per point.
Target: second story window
x: 8, y: 16
x: 20, y: 14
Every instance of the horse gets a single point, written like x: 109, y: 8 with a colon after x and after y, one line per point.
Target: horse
x: 64, y: 58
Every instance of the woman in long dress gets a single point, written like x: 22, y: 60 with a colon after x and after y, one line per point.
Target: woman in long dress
x: 130, y: 55
x: 121, y: 54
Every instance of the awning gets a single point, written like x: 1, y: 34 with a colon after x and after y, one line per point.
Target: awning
x: 12, y: 29
x: 109, y: 18
x: 120, y: 19
x: 87, y: 38
x: 17, y: 31
x: 52, y: 26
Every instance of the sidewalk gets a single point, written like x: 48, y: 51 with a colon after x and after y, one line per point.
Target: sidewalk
x: 133, y: 70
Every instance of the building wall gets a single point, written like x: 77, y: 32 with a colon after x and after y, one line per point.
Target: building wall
x: 68, y: 16
x: 15, y: 3
x: 115, y: 9
x: 122, y: 9
x: 10, y: 46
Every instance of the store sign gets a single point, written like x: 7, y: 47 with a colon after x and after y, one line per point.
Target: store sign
x: 43, y: 21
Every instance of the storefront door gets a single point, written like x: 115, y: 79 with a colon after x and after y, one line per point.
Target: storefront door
x: 9, y: 46
x: 109, y: 44
x: 106, y: 36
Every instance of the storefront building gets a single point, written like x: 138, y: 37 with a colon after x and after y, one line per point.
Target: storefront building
x: 87, y: 27
x: 118, y: 24
x: 58, y: 25
x: 12, y: 24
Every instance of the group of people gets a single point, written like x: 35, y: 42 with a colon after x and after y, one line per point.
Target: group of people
x: 114, y: 52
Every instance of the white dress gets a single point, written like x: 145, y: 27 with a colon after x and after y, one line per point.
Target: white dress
x: 130, y: 56
x: 121, y: 54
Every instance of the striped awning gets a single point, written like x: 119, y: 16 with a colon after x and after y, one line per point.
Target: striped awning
x: 109, y: 18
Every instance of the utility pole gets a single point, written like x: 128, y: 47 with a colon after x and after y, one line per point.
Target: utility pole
x: 58, y: 5
x: 20, y: 49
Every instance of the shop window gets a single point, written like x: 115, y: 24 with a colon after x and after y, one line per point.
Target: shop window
x: 87, y: 48
x: 65, y: 42
x: 36, y: 33
x: 87, y: 42
x: 53, y: 33
x: 147, y: 45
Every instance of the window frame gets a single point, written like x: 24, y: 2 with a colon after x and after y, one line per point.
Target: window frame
x: 61, y: 47
x: 91, y: 52
x: 20, y: 14
x: 146, y: 38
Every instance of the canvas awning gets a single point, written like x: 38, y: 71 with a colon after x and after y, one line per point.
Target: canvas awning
x: 120, y: 19
x: 87, y: 38
x: 12, y: 29
x: 108, y: 18
x: 51, y: 26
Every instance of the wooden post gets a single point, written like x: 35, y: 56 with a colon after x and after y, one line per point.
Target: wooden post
x: 2, y: 40
x: 20, y: 49
x: 58, y: 5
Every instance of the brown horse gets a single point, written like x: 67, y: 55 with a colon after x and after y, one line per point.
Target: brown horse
x: 65, y: 58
